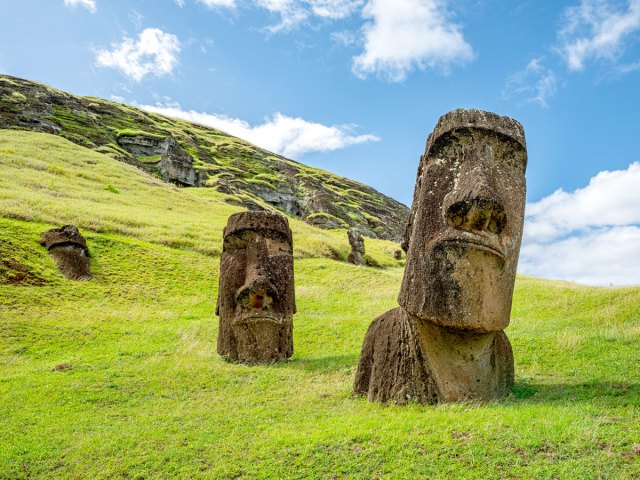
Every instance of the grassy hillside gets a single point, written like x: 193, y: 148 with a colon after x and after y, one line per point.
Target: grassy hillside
x: 48, y: 179
x: 252, y: 176
x: 118, y: 377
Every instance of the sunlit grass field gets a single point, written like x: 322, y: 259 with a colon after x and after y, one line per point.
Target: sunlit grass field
x: 119, y: 378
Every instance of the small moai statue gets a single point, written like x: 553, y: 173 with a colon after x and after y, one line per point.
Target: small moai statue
x: 69, y: 249
x: 397, y: 254
x: 445, y: 342
x: 256, y: 299
x: 356, y: 255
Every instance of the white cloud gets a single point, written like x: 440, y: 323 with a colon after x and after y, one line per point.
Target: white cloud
x: 294, y: 12
x: 88, y: 4
x: 155, y: 52
x: 288, y: 136
x: 628, y: 68
x: 403, y: 36
x: 591, y: 235
x: 291, y: 13
x: 215, y: 3
x: 610, y: 256
x: 334, y: 9
x: 597, y: 29
x: 345, y: 38
x: 536, y: 83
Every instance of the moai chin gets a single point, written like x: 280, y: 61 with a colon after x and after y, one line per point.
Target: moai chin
x: 357, y: 247
x: 69, y: 249
x: 256, y: 299
x: 445, y: 343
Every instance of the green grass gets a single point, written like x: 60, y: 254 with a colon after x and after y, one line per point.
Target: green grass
x: 48, y: 179
x: 151, y: 159
x: 127, y: 132
x: 102, y: 125
x: 118, y: 377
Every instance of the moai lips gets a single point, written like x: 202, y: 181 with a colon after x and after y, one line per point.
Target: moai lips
x: 69, y: 249
x: 256, y: 299
x: 462, y: 242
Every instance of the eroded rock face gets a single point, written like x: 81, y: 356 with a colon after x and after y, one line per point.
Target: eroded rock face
x: 462, y: 242
x: 176, y: 165
x: 256, y: 298
x: 69, y: 249
x: 356, y: 256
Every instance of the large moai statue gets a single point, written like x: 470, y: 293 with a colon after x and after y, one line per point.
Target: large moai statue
x: 69, y: 249
x: 445, y: 343
x: 256, y: 299
x: 356, y: 255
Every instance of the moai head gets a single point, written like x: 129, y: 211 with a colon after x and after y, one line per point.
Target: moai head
x: 256, y: 299
x: 69, y: 248
x: 465, y: 226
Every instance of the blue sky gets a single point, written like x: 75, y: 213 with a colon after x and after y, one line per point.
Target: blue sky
x: 355, y: 86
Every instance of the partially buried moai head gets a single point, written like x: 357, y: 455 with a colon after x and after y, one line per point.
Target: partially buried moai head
x: 465, y: 227
x: 256, y: 300
x: 69, y: 248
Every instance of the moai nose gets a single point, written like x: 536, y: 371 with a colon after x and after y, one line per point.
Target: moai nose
x: 257, y: 292
x: 479, y: 214
x: 474, y: 205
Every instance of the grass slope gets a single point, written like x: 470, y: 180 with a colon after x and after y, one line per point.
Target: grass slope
x: 253, y: 176
x: 118, y: 377
x: 48, y: 179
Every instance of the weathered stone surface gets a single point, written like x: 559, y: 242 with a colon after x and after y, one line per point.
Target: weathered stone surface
x: 256, y: 297
x: 143, y: 145
x: 69, y: 249
x: 399, y: 377
x: 356, y: 255
x: 176, y: 165
x: 462, y: 242
x: 397, y: 254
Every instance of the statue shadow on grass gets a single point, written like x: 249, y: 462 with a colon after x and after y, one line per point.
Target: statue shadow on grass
x: 617, y: 393
x: 526, y: 391
x: 329, y: 364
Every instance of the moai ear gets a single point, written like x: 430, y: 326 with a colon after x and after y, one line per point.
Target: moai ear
x: 407, y: 234
x: 406, y: 237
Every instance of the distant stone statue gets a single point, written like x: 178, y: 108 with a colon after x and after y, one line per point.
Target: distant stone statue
x: 445, y: 343
x: 69, y: 249
x: 356, y: 255
x: 397, y: 254
x: 256, y: 299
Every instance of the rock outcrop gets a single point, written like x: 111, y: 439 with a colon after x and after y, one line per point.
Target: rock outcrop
x: 176, y: 166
